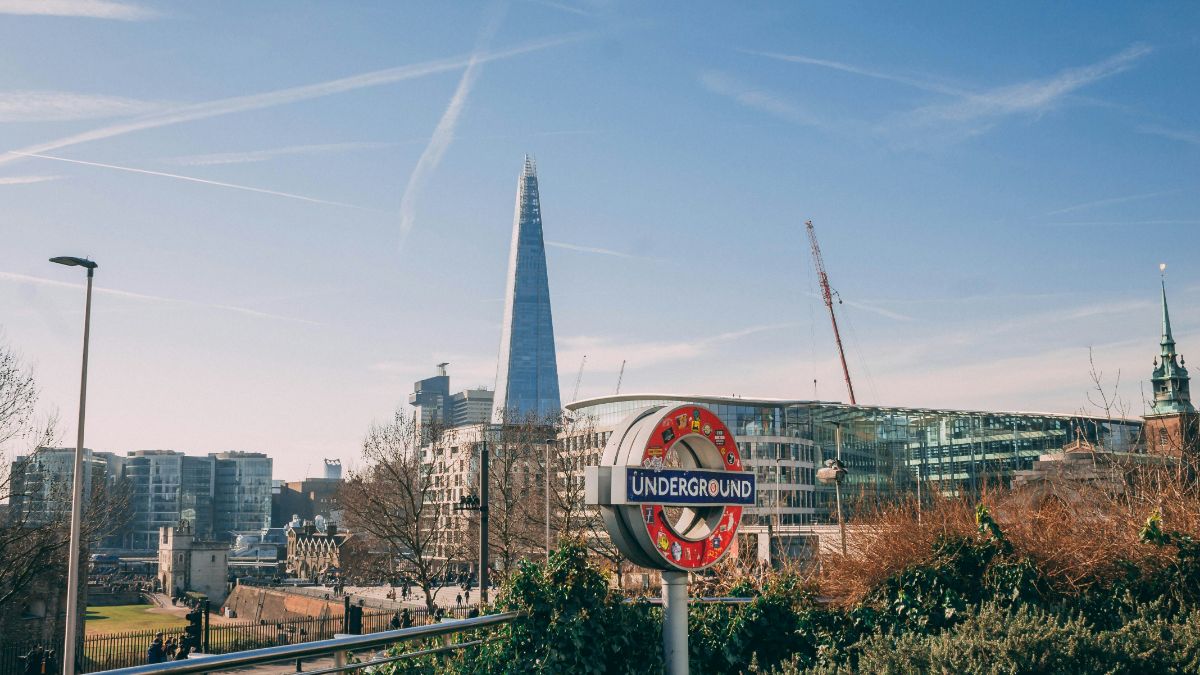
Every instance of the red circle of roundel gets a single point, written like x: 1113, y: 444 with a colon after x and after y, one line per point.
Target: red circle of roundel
x: 684, y: 553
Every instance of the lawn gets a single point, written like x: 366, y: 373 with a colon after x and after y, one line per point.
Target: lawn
x: 121, y: 618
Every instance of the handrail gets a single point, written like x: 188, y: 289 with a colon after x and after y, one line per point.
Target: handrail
x: 693, y: 601
x: 303, y: 650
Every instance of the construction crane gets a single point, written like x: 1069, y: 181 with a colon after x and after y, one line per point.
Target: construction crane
x: 827, y: 296
x: 579, y: 378
x: 620, y: 376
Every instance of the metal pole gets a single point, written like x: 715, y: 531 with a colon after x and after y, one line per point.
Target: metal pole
x: 74, y: 623
x: 547, y: 502
x: 837, y: 486
x: 675, y: 622
x: 483, y: 523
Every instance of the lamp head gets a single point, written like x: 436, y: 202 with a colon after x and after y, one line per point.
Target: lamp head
x: 72, y: 261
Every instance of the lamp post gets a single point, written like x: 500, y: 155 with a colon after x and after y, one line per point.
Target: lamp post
x: 480, y: 504
x: 834, y: 472
x: 550, y: 442
x: 72, y: 622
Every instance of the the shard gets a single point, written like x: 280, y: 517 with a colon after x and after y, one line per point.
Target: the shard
x: 527, y: 372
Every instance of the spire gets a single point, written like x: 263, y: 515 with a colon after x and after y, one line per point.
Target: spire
x: 1170, y: 379
x: 1166, y: 336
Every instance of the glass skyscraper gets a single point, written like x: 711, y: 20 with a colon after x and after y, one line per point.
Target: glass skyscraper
x: 527, y: 373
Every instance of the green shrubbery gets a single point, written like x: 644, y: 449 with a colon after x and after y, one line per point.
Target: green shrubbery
x: 975, y: 604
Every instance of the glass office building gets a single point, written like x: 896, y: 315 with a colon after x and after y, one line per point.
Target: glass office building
x: 168, y: 487
x: 527, y: 372
x: 886, y: 450
x: 242, y: 502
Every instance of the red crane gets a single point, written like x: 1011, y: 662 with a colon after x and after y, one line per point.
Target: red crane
x: 827, y: 295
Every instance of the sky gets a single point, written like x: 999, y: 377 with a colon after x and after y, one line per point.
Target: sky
x: 299, y: 208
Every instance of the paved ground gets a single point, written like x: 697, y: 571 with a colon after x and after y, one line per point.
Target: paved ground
x: 446, y: 597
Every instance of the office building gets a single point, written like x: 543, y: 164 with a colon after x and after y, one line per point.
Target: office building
x: 242, y: 493
x: 886, y: 450
x: 527, y: 372
x: 42, y: 483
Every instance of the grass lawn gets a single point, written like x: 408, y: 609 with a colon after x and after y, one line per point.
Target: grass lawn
x: 121, y: 618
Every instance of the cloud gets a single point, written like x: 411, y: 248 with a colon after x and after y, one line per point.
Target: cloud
x: 99, y: 290
x: 443, y: 133
x: 725, y: 85
x: 90, y: 9
x: 926, y: 85
x: 278, y: 97
x: 1189, y: 137
x: 1110, y: 201
x: 25, y: 180
x: 272, y: 153
x: 64, y: 106
x: 202, y: 181
x: 605, y: 355
x: 1034, y: 96
x: 589, y: 249
x: 1107, y: 223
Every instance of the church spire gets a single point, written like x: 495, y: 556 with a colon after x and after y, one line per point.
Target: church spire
x: 1170, y: 379
x: 1168, y: 342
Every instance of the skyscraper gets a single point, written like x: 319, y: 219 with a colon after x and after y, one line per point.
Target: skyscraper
x: 527, y: 373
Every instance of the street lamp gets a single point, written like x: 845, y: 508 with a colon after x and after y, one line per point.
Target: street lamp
x: 550, y: 442
x: 77, y: 481
x: 835, y: 472
x: 480, y: 504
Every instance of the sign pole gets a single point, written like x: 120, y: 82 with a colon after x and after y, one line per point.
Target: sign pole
x: 675, y: 622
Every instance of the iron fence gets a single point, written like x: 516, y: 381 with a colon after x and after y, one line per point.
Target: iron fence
x: 122, y: 650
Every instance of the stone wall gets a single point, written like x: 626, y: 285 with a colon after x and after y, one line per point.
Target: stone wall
x: 277, y: 604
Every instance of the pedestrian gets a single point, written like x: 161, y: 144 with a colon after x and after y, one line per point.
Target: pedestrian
x: 169, y: 648
x: 184, y: 649
x: 406, y: 619
x: 395, y: 621
x: 467, y: 596
x: 155, y: 653
x: 458, y: 600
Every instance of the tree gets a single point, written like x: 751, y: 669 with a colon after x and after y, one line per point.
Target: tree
x: 398, y: 500
x: 33, y: 541
x: 572, y: 516
x: 517, y: 520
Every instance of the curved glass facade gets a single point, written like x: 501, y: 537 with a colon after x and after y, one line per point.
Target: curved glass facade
x: 887, y: 450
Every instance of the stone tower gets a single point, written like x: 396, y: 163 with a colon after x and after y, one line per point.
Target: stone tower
x: 1171, y: 426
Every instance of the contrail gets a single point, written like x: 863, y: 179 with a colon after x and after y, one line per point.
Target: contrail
x: 443, y: 133
x: 226, y: 106
x: 176, y: 176
x: 12, y: 276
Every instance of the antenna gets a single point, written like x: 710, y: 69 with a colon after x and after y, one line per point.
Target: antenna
x: 620, y: 376
x: 579, y: 378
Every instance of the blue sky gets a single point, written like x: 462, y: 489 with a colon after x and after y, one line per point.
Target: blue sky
x: 300, y: 207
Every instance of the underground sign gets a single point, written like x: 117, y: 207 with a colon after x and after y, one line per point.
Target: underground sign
x: 671, y: 487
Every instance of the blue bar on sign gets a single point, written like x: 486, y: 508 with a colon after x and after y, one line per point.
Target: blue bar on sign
x: 691, y: 487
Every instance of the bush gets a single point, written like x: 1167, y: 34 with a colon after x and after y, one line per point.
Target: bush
x: 572, y: 623
x: 1026, y: 640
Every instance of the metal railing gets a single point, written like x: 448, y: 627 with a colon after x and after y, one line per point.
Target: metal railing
x: 337, y: 647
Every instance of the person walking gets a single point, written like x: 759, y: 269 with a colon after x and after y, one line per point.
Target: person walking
x: 406, y: 619
x: 458, y: 600
x: 155, y: 653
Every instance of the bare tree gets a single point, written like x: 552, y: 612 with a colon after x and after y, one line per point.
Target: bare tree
x: 572, y: 517
x: 517, y: 484
x: 35, y: 537
x: 398, y: 499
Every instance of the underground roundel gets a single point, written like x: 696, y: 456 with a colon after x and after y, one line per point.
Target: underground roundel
x: 671, y: 487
